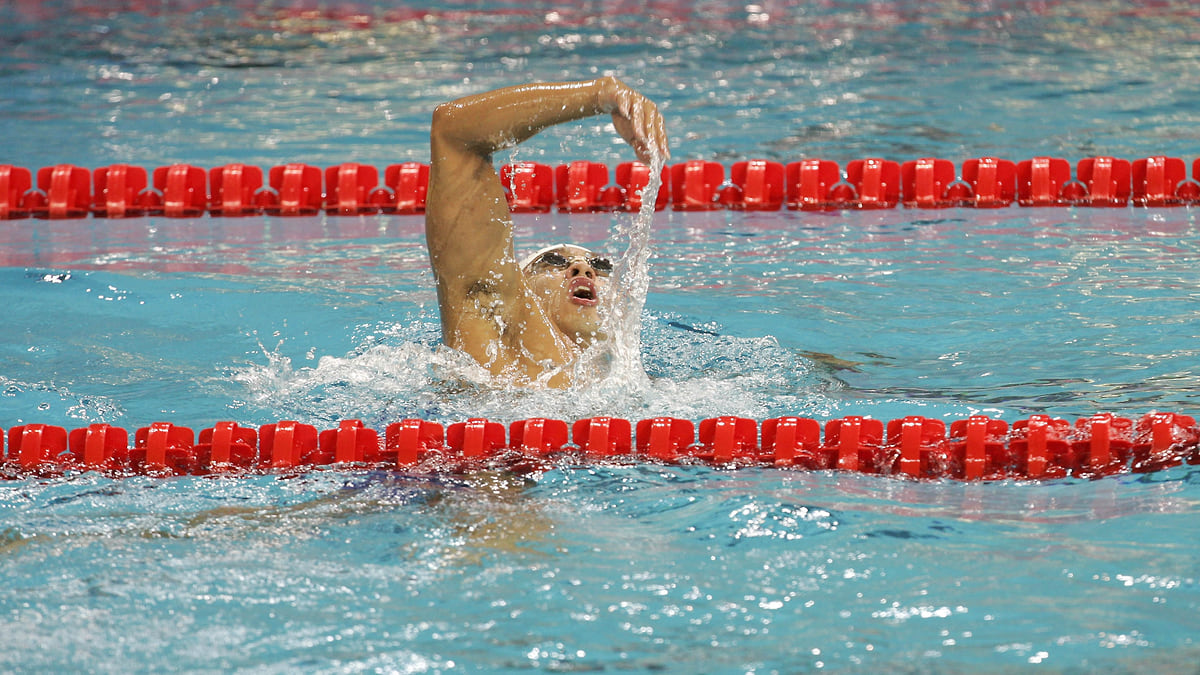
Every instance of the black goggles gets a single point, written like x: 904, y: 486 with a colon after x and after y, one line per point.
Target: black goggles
x: 603, y: 266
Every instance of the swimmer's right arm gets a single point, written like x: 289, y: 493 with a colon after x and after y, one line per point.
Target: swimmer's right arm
x: 499, y: 119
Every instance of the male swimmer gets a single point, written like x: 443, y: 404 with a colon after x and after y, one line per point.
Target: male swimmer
x: 523, y: 322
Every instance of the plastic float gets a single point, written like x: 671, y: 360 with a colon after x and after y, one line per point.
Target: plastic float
x: 351, y: 189
x: 975, y: 449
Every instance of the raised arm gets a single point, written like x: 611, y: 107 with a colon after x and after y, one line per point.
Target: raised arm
x: 468, y: 227
x: 465, y: 203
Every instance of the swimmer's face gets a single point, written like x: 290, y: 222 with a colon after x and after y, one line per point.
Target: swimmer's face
x: 571, y: 282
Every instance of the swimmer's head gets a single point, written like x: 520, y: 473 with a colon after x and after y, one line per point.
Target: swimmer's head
x: 570, y: 281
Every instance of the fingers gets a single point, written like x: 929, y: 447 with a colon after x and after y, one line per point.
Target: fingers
x: 656, y: 132
x: 638, y: 121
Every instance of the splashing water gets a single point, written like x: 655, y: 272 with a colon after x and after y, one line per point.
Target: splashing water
x: 631, y: 284
x: 646, y: 367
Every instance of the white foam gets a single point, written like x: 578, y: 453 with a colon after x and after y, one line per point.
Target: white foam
x: 392, y: 377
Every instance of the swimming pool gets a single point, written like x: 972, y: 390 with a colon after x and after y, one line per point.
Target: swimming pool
x: 946, y: 313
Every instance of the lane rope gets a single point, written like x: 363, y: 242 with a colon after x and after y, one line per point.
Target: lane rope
x: 978, y: 448
x: 186, y: 191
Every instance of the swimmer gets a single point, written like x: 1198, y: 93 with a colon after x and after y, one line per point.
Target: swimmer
x: 523, y: 321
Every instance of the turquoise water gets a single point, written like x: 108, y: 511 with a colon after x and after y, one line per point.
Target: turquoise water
x: 642, y: 567
x: 629, y: 568
x: 264, y: 83
x: 941, y: 313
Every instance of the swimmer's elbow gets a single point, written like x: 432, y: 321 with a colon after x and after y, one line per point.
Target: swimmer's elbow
x: 444, y: 120
x: 452, y: 127
x: 443, y: 113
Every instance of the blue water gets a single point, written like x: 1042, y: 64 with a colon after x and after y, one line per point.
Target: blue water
x: 603, y: 567
x: 641, y: 569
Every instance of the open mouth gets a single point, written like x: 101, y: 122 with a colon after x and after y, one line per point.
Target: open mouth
x: 583, y: 292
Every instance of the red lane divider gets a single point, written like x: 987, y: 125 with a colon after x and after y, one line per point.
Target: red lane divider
x: 15, y: 185
x: 632, y: 178
x: 407, y: 185
x: 877, y: 182
x: 757, y: 185
x: 603, y: 436
x: 227, y: 447
x: 349, y: 189
x: 580, y: 187
x: 234, y: 189
x: 974, y: 449
x: 992, y: 182
x: 295, y: 191
x: 815, y: 185
x: 695, y: 185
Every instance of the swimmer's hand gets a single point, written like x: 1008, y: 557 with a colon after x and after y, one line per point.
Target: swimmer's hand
x: 637, y: 119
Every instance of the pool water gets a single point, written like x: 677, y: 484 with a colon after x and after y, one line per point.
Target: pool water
x: 942, y: 313
x: 626, y: 567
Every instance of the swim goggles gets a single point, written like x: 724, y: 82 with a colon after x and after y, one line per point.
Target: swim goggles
x: 552, y: 258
